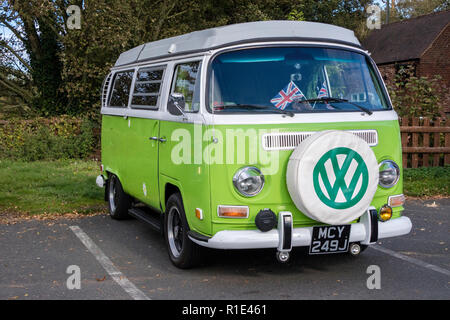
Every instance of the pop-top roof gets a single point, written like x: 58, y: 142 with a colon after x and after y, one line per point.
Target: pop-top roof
x: 238, y: 33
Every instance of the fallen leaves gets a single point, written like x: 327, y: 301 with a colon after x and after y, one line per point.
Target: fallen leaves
x: 15, y: 217
x: 431, y: 205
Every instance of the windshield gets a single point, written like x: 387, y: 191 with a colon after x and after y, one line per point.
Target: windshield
x: 294, y: 80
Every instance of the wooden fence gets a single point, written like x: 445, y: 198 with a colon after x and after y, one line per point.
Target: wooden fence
x: 425, y: 142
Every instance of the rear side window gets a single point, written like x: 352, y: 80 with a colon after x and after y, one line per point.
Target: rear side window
x: 147, y: 88
x: 121, y: 89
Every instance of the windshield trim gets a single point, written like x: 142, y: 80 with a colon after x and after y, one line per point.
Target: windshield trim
x: 369, y: 60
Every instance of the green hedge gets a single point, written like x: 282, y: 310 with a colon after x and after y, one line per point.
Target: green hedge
x: 62, y: 137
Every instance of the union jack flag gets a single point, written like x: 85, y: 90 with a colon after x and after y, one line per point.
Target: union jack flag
x: 323, y: 92
x: 286, y: 96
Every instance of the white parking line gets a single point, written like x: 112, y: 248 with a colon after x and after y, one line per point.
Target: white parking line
x: 412, y: 260
x: 106, y: 263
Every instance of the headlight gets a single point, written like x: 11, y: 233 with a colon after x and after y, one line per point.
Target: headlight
x: 249, y: 181
x: 389, y: 173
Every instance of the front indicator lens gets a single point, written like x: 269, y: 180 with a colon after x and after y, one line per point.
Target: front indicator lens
x: 389, y: 174
x: 232, y: 211
x: 248, y: 181
x: 385, y: 213
x: 396, y: 201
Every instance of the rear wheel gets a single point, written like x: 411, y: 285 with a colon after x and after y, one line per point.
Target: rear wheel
x: 182, y: 251
x: 118, y: 201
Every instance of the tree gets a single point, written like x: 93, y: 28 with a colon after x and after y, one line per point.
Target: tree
x: 407, y: 9
x: 57, y: 70
x: 416, y: 96
x: 33, y: 23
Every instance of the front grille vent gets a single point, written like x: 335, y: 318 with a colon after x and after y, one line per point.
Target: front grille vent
x: 290, y: 140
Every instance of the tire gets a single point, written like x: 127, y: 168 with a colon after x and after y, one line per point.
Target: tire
x: 183, y: 253
x: 118, y: 201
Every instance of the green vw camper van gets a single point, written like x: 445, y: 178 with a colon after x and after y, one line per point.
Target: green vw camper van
x: 274, y: 134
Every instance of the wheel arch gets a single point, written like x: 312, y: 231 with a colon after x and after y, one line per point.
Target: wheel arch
x: 108, y: 172
x: 170, y: 189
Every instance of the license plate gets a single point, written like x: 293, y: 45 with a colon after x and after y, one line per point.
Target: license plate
x: 330, y: 239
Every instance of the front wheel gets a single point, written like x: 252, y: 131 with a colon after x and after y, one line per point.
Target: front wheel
x: 183, y: 252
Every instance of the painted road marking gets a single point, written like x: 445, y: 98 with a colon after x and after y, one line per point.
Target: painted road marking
x: 106, y: 263
x: 412, y: 260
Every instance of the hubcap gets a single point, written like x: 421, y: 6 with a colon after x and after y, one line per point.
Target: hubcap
x: 113, y: 195
x: 175, y: 231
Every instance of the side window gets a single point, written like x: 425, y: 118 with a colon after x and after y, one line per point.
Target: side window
x: 187, y: 82
x: 147, y: 88
x: 121, y: 89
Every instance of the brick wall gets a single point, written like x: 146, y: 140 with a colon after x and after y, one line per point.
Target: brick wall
x: 388, y: 71
x: 436, y: 60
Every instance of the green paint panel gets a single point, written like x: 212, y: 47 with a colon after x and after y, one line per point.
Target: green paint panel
x: 203, y: 170
x: 275, y: 194
x: 181, y: 165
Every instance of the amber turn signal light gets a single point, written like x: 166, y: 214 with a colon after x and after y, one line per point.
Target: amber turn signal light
x: 199, y: 213
x: 396, y: 201
x: 232, y: 211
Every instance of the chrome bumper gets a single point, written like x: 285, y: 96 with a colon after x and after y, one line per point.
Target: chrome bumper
x: 255, y: 239
x: 100, y: 181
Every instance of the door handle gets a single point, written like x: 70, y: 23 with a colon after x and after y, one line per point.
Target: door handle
x: 158, y: 139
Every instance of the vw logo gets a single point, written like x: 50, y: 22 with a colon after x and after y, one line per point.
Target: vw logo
x: 340, y: 178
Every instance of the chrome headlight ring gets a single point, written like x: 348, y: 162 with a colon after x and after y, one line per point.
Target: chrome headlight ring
x: 389, y: 174
x: 248, y: 181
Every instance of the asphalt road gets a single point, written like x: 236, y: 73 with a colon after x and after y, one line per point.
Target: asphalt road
x: 128, y: 260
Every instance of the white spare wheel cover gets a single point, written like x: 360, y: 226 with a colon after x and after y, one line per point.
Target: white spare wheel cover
x: 332, y: 177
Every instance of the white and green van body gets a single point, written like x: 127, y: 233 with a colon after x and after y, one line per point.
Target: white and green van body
x: 273, y: 134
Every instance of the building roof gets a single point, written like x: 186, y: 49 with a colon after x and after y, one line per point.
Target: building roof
x: 407, y: 39
x: 238, y: 33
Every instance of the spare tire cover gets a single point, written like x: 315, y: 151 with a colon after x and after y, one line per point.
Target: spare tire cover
x: 332, y: 177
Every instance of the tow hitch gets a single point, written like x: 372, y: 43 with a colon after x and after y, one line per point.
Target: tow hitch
x: 282, y: 257
x: 355, y: 249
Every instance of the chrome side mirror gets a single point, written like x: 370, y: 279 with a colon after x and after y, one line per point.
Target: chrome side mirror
x: 176, y: 104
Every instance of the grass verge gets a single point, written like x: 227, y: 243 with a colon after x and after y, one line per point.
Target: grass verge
x: 65, y: 186
x: 68, y: 186
x: 427, y: 182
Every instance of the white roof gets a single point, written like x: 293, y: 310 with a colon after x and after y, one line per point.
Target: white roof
x: 238, y: 33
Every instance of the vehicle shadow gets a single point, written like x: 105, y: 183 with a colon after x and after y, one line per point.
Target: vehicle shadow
x: 264, y: 261
x: 151, y: 247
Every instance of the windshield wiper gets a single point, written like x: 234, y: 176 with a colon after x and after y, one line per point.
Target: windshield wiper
x: 326, y: 99
x: 255, y: 106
